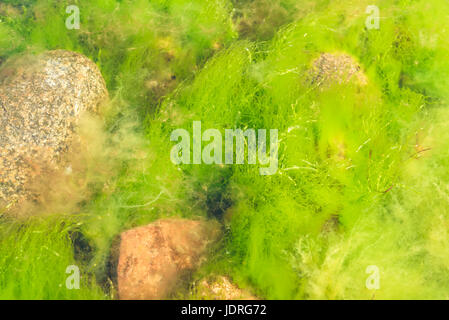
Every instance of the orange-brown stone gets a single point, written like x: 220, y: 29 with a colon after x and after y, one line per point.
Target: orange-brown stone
x: 153, y: 259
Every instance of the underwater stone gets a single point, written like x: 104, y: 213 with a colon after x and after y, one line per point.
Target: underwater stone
x: 336, y: 68
x: 41, y: 100
x: 153, y: 259
x: 220, y: 288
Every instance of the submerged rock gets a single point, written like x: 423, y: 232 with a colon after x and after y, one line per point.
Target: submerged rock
x: 220, y: 288
x: 41, y: 101
x: 336, y: 68
x: 153, y: 259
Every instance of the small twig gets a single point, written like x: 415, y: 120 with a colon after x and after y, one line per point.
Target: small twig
x: 420, y: 151
x: 389, y: 189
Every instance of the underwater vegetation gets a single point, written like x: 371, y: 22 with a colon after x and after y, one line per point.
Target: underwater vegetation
x: 362, y: 179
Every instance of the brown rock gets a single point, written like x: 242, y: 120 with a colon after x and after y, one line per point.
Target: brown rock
x: 41, y: 101
x: 155, y: 258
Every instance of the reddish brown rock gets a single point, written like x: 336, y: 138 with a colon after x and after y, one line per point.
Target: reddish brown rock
x: 153, y: 259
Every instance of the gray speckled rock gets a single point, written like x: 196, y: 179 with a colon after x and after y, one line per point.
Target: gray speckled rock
x: 336, y: 68
x: 40, y: 104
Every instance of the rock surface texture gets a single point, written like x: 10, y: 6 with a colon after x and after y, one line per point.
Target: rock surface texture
x: 153, y: 259
x: 41, y: 101
x: 336, y: 68
x: 221, y: 288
